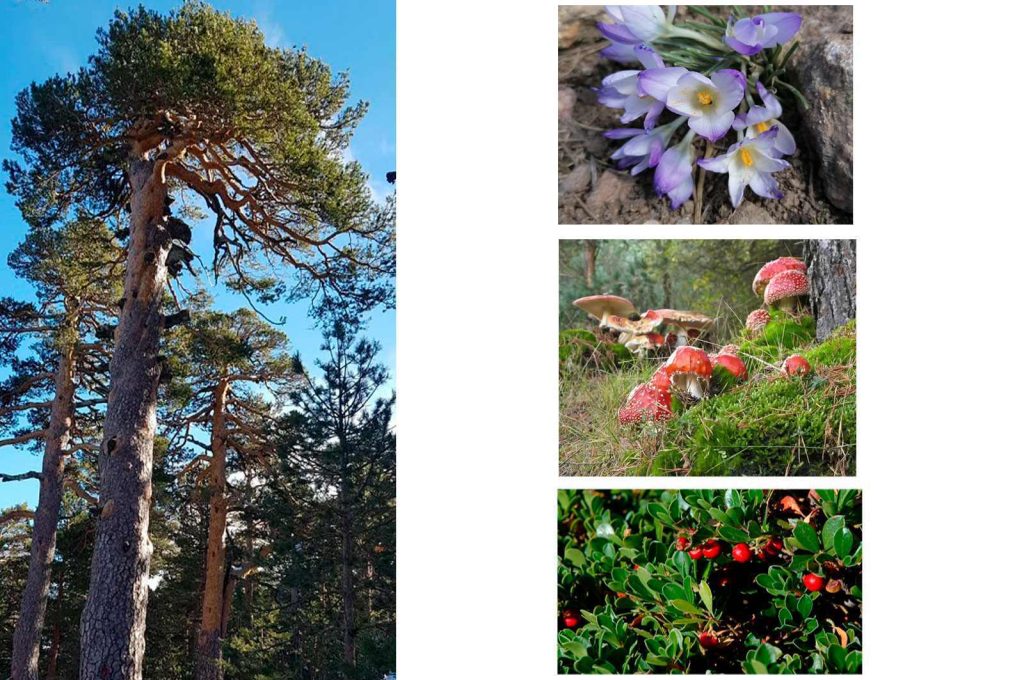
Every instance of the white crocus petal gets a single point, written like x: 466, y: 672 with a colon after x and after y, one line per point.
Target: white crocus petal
x: 784, y: 141
x: 656, y: 82
x: 624, y: 82
x: 764, y: 185
x: 736, y: 187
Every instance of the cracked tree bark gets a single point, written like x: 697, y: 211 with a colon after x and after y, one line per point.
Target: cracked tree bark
x: 209, y: 655
x: 114, y: 619
x: 25, y: 652
x: 832, y: 273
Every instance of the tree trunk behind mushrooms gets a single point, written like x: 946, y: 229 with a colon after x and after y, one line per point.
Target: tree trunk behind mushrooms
x: 832, y: 273
x: 25, y: 653
x: 114, y: 619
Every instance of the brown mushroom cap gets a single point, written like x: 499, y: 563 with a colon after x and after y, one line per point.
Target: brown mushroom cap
x: 600, y: 306
x: 765, y: 274
x: 788, y: 284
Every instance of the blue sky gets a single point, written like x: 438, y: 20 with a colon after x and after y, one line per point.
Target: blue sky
x: 40, y: 39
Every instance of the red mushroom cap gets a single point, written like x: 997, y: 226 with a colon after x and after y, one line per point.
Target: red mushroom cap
x: 787, y: 284
x: 767, y: 272
x: 733, y: 364
x: 758, y: 319
x: 646, y: 402
x: 730, y: 349
x: 662, y: 378
x: 796, y: 365
x: 689, y: 360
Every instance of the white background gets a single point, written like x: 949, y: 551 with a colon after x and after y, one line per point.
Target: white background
x: 938, y: 220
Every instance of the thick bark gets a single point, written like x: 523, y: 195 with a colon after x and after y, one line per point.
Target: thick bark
x: 25, y: 653
x: 114, y: 620
x: 51, y: 666
x: 209, y: 664
x: 832, y: 273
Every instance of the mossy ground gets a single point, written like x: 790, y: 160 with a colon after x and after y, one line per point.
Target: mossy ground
x: 769, y: 425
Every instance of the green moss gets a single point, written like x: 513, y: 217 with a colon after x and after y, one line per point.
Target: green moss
x: 778, y: 425
x: 578, y: 347
x: 769, y: 425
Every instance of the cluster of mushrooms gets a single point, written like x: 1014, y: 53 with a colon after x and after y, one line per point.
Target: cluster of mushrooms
x: 687, y: 372
x: 642, y: 333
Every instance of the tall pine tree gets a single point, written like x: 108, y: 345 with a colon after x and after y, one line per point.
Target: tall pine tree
x: 192, y: 101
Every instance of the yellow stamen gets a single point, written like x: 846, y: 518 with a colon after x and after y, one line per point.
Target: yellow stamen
x: 704, y: 98
x: 747, y: 159
x: 761, y: 127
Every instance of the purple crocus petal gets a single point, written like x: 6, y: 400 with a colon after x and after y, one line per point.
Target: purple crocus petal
x: 617, y: 33
x: 623, y: 81
x: 622, y: 133
x: 646, y: 22
x: 673, y: 166
x: 682, y: 193
x: 620, y: 52
x: 716, y: 164
x: 755, y: 116
x: 745, y: 50
x: 784, y: 142
x: 656, y: 82
x: 769, y: 164
x: 712, y: 127
x: 736, y: 186
x: 765, y: 142
x: 786, y: 25
x: 764, y: 185
x: 657, y: 147
x: 648, y: 57
x: 653, y: 114
x: 731, y: 84
x: 771, y: 102
x: 612, y: 98
x: 748, y: 31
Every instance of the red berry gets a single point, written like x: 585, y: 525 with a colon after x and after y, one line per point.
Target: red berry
x: 707, y: 640
x: 569, y: 619
x: 681, y: 543
x: 813, y: 582
x: 741, y: 553
x: 711, y: 550
x: 696, y: 553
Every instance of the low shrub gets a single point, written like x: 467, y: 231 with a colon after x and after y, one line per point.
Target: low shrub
x: 697, y: 581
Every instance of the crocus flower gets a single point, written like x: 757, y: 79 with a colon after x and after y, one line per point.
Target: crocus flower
x: 674, y: 174
x: 709, y: 102
x: 760, y: 119
x: 644, y: 148
x: 751, y: 35
x: 634, y: 24
x: 620, y: 91
x: 750, y: 163
x: 637, y: 23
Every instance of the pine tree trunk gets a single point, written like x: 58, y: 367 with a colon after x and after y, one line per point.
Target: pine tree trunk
x: 114, y: 619
x: 51, y: 666
x: 348, y: 589
x: 25, y: 654
x: 832, y: 272
x: 208, y: 649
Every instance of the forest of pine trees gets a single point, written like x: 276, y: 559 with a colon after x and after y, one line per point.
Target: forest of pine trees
x: 211, y: 504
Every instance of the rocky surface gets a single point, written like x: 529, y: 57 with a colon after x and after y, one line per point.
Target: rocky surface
x: 823, y: 67
x: 818, y: 188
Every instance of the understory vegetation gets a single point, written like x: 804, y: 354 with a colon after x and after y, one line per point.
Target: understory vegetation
x: 770, y: 425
